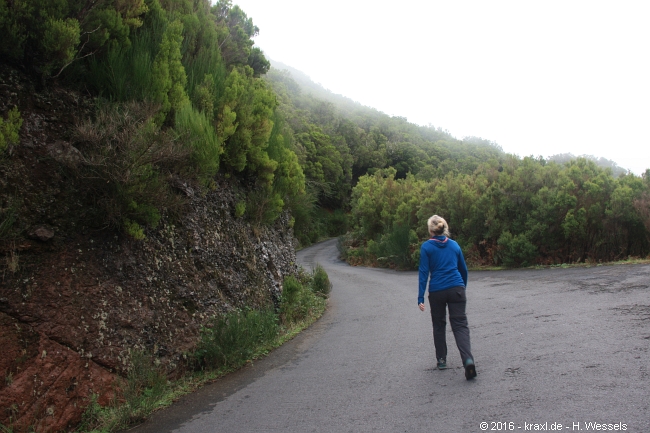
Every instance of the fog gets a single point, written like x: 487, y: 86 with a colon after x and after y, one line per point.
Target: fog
x: 539, y: 78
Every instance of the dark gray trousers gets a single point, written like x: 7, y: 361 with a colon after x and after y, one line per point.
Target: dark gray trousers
x: 456, y: 299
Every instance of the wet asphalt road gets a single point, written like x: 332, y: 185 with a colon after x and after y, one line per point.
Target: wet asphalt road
x: 555, y: 349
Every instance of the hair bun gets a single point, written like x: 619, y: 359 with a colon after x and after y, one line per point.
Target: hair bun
x: 438, y: 226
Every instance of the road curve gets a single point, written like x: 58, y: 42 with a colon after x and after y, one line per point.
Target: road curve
x: 555, y: 349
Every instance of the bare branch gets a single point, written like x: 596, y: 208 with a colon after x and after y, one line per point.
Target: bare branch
x: 80, y: 49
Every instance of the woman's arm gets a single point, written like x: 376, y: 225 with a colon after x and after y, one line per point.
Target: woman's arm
x: 423, y: 274
x: 462, y: 267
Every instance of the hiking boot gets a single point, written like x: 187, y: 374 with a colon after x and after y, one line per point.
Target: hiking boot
x: 442, y: 364
x: 470, y: 369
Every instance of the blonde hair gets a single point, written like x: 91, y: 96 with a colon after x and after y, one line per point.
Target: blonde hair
x: 438, y: 226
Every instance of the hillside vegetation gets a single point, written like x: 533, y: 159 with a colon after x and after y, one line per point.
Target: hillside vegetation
x: 185, y: 95
x: 504, y: 210
x: 181, y: 99
x: 144, y: 197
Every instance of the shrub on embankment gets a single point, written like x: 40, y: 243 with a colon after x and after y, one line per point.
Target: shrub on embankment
x: 227, y: 342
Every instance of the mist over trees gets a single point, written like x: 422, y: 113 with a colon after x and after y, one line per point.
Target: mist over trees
x: 504, y: 210
x: 563, y: 158
x: 185, y: 96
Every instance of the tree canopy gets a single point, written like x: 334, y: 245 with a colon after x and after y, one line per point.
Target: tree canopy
x: 187, y: 77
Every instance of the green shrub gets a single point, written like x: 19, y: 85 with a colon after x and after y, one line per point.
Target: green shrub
x: 321, y: 284
x: 13, y: 27
x: 7, y: 219
x: 228, y: 342
x: 168, y: 78
x: 206, y: 76
x: 234, y: 338
x: 47, y: 36
x: 60, y: 40
x: 263, y: 206
x: 10, y: 128
x: 124, y: 71
x: 374, y: 249
x: 295, y: 302
x: 291, y: 290
x: 342, y: 246
x: 516, y: 250
x: 133, y: 229
x: 398, y: 245
x: 126, y: 160
x: 197, y: 134
x: 92, y: 416
x: 307, y: 227
x: 143, y: 391
x: 394, y: 248
x: 337, y: 223
x: 204, y: 96
x: 144, y: 382
x: 352, y: 250
x: 398, y: 248
x: 303, y: 296
x: 240, y: 209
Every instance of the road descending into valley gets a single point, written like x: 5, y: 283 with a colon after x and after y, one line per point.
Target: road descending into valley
x: 555, y: 349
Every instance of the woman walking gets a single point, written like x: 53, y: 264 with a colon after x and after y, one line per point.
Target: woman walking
x: 442, y: 260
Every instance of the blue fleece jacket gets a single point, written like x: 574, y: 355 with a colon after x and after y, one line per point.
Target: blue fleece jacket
x: 441, y: 258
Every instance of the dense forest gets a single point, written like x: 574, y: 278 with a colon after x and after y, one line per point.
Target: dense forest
x: 504, y: 210
x: 183, y: 95
x: 179, y: 99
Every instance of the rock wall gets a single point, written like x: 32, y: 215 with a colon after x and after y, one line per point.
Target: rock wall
x: 70, y: 317
x: 75, y: 301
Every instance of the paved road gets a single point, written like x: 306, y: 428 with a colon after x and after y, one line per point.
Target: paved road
x: 567, y: 346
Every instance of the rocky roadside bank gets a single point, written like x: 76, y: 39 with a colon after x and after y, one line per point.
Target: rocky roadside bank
x: 75, y: 301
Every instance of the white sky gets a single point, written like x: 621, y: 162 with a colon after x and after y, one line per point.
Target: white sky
x: 537, y: 77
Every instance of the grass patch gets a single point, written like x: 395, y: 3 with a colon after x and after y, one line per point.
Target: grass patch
x: 227, y: 343
x: 627, y: 261
x: 144, y: 390
x: 235, y: 338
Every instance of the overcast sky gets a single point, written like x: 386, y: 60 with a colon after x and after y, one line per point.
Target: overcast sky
x: 536, y: 77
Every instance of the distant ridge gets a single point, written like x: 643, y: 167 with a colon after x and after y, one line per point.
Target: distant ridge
x: 349, y: 105
x: 319, y: 91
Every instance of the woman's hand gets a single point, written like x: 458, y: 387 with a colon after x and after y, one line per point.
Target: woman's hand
x: 421, y: 307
